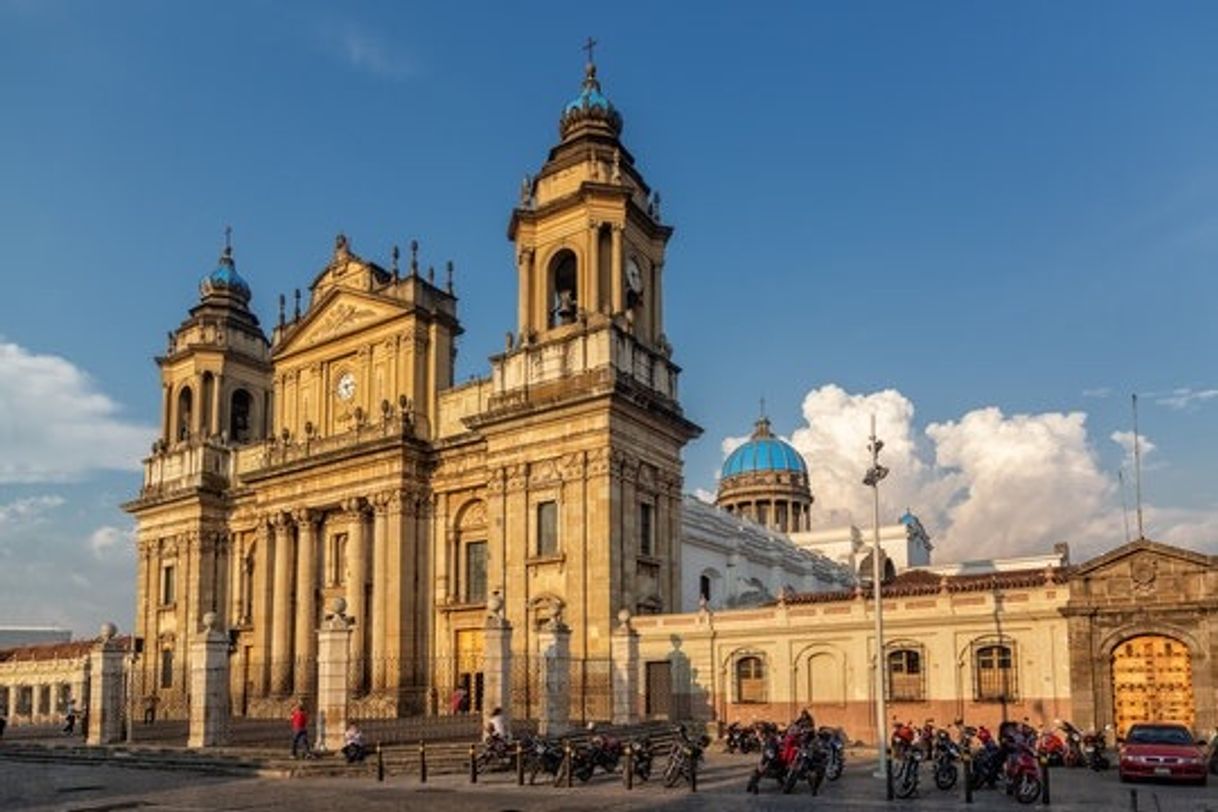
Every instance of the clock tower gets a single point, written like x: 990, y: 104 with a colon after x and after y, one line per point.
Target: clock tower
x: 587, y: 229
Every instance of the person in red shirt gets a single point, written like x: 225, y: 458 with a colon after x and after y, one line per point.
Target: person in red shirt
x: 300, y: 730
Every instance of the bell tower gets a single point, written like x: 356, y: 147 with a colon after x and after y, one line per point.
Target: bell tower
x: 216, y: 374
x: 587, y: 229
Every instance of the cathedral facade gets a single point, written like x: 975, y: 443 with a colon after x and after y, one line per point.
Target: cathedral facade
x: 338, y: 458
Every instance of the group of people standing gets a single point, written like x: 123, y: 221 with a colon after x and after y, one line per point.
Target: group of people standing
x: 353, y: 750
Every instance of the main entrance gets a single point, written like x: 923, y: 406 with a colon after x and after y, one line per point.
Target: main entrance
x: 1152, y: 681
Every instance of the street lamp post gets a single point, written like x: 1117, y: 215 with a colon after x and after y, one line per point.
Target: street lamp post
x: 874, y: 474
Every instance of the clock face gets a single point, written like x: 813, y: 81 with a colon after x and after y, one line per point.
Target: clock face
x: 346, y: 386
x: 634, y: 277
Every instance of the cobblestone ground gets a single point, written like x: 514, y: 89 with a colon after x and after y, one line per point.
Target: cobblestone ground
x: 721, y: 786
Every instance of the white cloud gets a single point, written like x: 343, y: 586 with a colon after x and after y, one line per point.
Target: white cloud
x: 107, y: 539
x: 27, y: 510
x: 1098, y: 392
x: 366, y: 51
x: 1185, y: 398
x: 985, y: 484
x: 55, y: 425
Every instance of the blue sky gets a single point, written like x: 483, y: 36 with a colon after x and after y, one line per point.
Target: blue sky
x: 971, y: 207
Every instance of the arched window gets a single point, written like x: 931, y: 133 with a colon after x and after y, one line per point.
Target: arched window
x: 704, y: 588
x: 564, y: 284
x: 994, y: 665
x: 865, y: 572
x: 185, y: 405
x: 905, y: 672
x: 750, y: 679
x: 239, y: 416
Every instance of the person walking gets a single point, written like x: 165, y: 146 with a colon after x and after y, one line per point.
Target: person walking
x: 69, y: 718
x: 300, y: 730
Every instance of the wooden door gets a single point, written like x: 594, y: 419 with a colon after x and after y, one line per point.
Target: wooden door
x: 658, y: 696
x: 1152, y: 681
x: 469, y: 665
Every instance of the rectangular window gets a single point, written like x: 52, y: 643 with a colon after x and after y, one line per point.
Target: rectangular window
x: 646, y: 531
x: 475, y: 571
x: 168, y: 591
x: 905, y: 675
x: 338, y: 559
x: 167, y: 668
x: 44, y: 699
x: 547, y: 528
x: 25, y: 700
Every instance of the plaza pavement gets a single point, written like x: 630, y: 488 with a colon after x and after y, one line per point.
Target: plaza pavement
x: 69, y: 788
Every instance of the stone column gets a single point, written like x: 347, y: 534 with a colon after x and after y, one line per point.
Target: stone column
x: 380, y: 587
x: 281, y: 619
x: 105, y: 689
x: 496, y: 662
x: 357, y: 574
x: 306, y: 600
x: 615, y: 271
x: 554, y: 647
x: 333, y: 665
x: 209, y: 708
x: 624, y: 652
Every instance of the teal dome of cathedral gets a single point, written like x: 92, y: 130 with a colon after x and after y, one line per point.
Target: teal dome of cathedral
x: 225, y: 278
x: 763, y: 452
x: 766, y: 480
x: 591, y: 106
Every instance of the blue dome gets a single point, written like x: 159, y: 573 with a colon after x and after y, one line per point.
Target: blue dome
x: 591, y: 96
x: 764, y: 452
x: 225, y: 277
x: 590, y: 108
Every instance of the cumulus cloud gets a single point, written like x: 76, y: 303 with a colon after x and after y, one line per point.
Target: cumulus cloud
x: 985, y: 484
x: 109, y: 539
x: 55, y: 425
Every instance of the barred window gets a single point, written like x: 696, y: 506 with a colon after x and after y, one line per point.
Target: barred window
x: 167, y: 668
x: 750, y: 680
x: 475, y: 571
x: 646, y: 531
x: 44, y: 699
x: 905, y: 671
x: 547, y: 528
x: 995, y: 668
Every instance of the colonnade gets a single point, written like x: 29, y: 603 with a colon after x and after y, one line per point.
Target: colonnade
x: 797, y: 514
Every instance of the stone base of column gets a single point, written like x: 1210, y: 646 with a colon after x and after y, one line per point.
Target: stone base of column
x: 209, y: 705
x: 624, y: 649
x: 333, y: 673
x: 107, y: 691
x: 554, y: 644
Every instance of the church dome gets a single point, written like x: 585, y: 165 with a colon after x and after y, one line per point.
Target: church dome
x: 225, y: 278
x: 590, y: 107
x: 763, y: 452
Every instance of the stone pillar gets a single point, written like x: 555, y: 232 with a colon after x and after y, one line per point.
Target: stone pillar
x: 105, y: 689
x: 357, y: 575
x: 281, y: 620
x: 496, y: 662
x: 306, y: 600
x: 624, y: 652
x: 554, y: 646
x: 333, y: 665
x: 380, y: 587
x: 209, y: 708
x: 615, y: 271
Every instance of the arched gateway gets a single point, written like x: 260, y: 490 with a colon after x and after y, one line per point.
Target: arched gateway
x: 1152, y: 680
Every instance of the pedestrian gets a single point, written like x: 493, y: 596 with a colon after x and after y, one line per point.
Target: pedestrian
x: 69, y: 726
x: 150, y: 708
x: 456, y: 703
x: 300, y: 729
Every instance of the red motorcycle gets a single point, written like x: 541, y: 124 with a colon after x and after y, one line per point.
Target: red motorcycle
x: 1021, y: 773
x: 1052, y: 748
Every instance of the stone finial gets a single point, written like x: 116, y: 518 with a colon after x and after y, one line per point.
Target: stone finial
x: 494, y: 603
x: 623, y: 617
x: 108, y: 631
x: 339, y: 606
x: 209, y: 621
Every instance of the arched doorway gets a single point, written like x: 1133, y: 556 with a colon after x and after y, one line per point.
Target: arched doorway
x: 1152, y: 680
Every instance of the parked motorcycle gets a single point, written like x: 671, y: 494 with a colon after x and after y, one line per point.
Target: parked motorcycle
x: 906, y: 771
x: 1095, y: 749
x: 496, y: 754
x: 807, y: 763
x: 1074, y: 756
x: 541, y: 756
x: 833, y: 741
x: 1213, y: 760
x: 683, y: 757
x: 773, y: 763
x: 944, y: 755
x: 1022, y: 774
x: 987, y: 757
x: 1052, y: 748
x: 640, y: 757
x: 602, y: 751
x: 741, y: 738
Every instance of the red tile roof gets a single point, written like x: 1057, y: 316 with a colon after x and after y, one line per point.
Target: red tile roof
x: 55, y: 651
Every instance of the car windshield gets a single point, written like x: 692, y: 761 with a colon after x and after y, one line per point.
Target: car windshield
x: 1155, y: 734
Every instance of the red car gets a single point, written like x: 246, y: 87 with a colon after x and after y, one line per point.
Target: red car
x: 1162, y: 750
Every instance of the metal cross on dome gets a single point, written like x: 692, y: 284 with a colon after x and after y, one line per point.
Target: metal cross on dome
x: 588, y: 46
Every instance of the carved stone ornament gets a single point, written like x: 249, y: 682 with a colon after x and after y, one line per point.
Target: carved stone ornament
x: 1144, y: 572
x: 343, y: 318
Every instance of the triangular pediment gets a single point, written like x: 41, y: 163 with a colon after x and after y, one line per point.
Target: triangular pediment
x: 1142, y: 550
x: 340, y: 313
